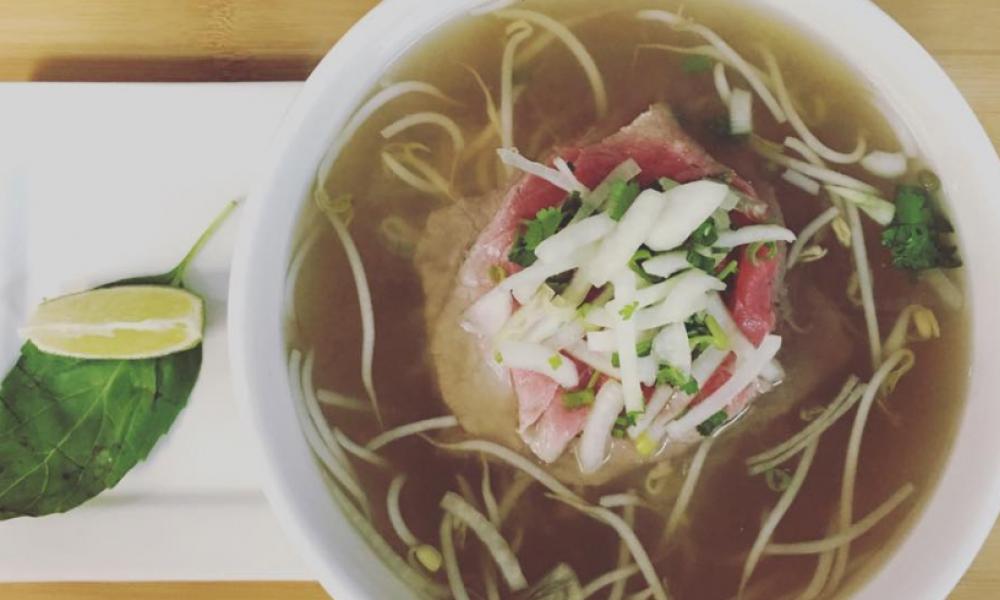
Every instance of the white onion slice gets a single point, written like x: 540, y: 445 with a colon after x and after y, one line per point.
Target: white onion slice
x: 511, y: 157
x: 657, y: 402
x: 671, y: 346
x: 740, y: 112
x: 539, y: 359
x: 684, y: 209
x: 753, y: 234
x: 647, y: 368
x: 593, y: 448
x: 667, y: 265
x: 633, y: 229
x: 806, y: 184
x: 600, y: 362
x: 686, y: 298
x: 602, y: 341
x: 625, y: 334
x: 886, y: 165
x: 575, y: 236
x: 486, y: 316
x: 654, y: 294
x: 747, y: 370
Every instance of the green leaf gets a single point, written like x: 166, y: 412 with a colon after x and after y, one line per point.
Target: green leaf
x: 544, y: 225
x: 71, y: 428
x: 914, y: 236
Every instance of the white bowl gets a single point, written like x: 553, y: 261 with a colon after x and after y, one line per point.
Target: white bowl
x: 960, y: 512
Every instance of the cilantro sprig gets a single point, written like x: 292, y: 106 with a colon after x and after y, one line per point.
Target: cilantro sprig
x: 915, y: 235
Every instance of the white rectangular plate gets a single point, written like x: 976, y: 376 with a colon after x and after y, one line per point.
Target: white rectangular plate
x: 104, y: 181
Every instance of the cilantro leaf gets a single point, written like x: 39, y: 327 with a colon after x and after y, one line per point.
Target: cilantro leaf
x: 914, y: 236
x: 546, y: 223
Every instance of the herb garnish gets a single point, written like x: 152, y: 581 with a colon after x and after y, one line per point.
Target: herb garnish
x: 677, y: 379
x: 915, y: 235
x: 71, y: 428
x: 621, y: 197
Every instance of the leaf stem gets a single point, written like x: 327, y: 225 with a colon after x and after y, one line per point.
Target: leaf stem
x: 176, y: 275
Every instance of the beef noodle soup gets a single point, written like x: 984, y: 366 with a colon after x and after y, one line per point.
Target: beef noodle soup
x: 627, y: 300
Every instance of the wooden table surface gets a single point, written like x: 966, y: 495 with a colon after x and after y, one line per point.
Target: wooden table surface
x: 235, y: 40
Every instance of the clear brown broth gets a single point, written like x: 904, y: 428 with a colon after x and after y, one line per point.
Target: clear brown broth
x: 704, y: 561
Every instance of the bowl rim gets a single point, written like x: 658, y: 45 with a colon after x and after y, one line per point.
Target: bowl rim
x: 942, y: 121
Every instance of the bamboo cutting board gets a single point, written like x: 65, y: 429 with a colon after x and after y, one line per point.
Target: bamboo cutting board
x: 266, y: 40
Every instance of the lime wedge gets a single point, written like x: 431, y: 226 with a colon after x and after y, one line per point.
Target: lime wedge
x: 127, y: 322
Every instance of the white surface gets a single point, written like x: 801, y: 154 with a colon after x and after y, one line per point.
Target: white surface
x: 99, y: 182
x: 962, y: 509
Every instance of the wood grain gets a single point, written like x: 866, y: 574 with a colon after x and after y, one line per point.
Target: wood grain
x: 233, y: 40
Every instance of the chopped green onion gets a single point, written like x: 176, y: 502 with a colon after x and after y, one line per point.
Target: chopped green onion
x: 719, y: 338
x: 621, y: 197
x: 929, y: 181
x: 730, y: 269
x: 555, y: 361
x: 628, y: 310
x: 753, y: 251
x: 642, y: 349
x: 584, y: 310
x: 700, y: 261
x: 497, y: 273
x: 706, y: 234
x: 498, y: 357
x: 579, y: 398
x: 666, y: 184
x: 674, y: 377
x: 635, y: 263
x: 645, y: 445
x: 711, y: 424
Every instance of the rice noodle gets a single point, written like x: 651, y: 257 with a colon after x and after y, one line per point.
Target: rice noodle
x: 513, y: 494
x: 848, y: 535
x: 688, y: 487
x: 410, y: 576
x: 627, y: 535
x: 513, y: 158
x: 428, y: 118
x: 787, y: 450
x: 820, y: 577
x: 806, y: 184
x: 515, y: 460
x: 810, y: 170
x: 809, y: 232
x: 946, y: 290
x: 359, y: 451
x: 338, y: 400
x: 487, y: 533
x: 621, y: 500
x: 867, y: 288
x: 489, y: 500
x: 387, y: 437
x: 370, y: 107
x: 364, y: 303
x: 805, y: 151
x: 341, y: 471
x: 824, y: 151
x: 451, y: 567
x: 609, y: 578
x: 921, y: 318
x: 726, y: 52
x: 517, y: 32
x: 575, y: 47
x: 845, y: 513
x: 775, y: 516
x: 722, y: 82
x: 396, y: 514
x: 295, y: 268
x: 426, y: 179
